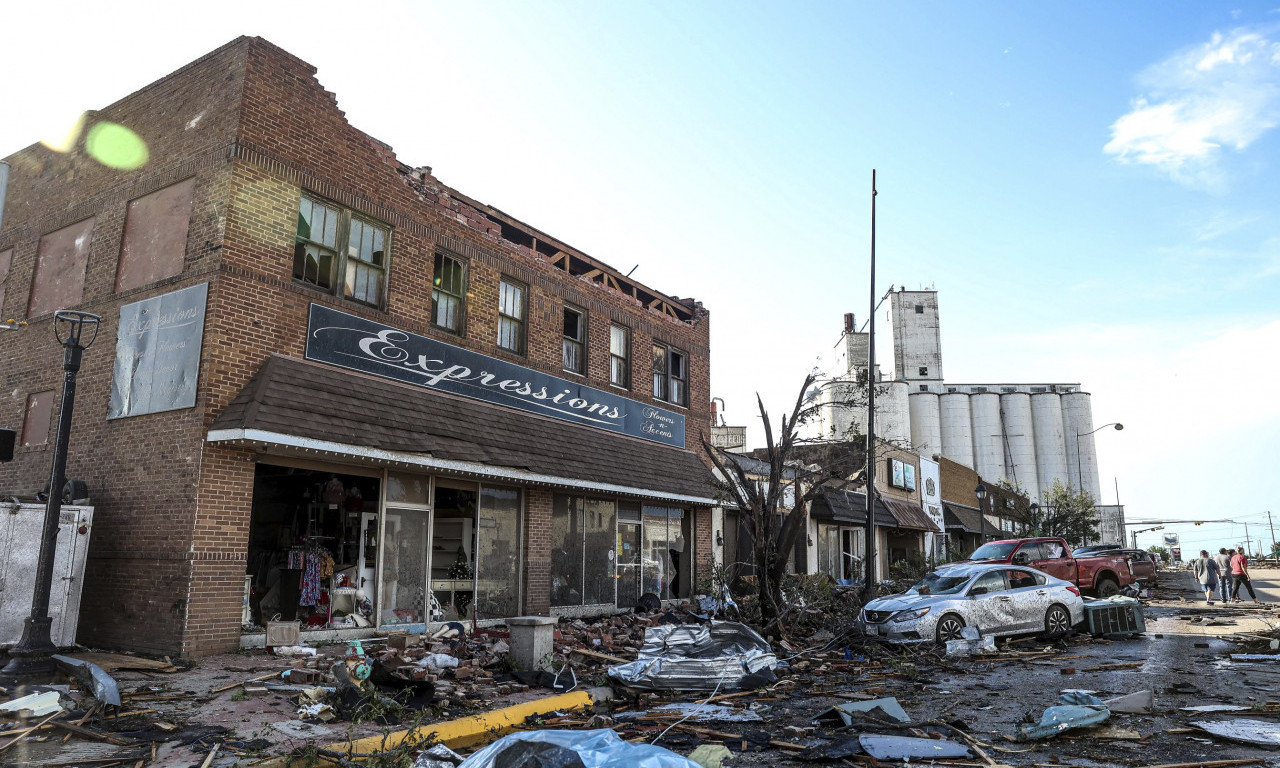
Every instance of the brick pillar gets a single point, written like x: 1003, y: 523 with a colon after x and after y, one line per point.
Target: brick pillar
x: 702, y: 547
x: 537, y: 552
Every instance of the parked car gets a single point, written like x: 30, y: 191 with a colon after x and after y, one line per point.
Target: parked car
x: 997, y: 599
x: 1142, y: 564
x: 1103, y: 575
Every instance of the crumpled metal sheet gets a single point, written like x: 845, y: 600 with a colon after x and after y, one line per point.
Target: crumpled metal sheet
x: 102, y: 685
x: 888, y: 708
x: 697, y: 657
x: 1262, y: 733
x: 601, y: 748
x: 1078, y: 710
x: 906, y: 748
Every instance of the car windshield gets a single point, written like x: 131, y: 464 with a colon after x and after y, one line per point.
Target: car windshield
x: 997, y: 551
x: 941, y: 584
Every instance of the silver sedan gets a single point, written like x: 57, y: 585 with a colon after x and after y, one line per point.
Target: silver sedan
x: 996, y: 599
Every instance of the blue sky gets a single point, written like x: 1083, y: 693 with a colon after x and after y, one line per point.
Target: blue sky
x: 1089, y: 186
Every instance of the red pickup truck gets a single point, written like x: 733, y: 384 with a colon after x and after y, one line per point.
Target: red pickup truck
x: 1103, y: 575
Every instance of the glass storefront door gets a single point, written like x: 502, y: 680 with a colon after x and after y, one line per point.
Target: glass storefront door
x: 629, y: 559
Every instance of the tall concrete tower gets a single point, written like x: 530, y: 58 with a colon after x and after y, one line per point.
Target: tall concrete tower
x: 917, y: 337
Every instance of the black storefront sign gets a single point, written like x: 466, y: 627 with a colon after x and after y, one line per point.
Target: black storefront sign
x: 362, y: 345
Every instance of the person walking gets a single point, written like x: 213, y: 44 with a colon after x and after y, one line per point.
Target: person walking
x: 1240, y: 575
x: 1206, y: 572
x: 1224, y: 573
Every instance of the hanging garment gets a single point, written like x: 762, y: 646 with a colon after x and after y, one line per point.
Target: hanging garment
x: 311, y: 581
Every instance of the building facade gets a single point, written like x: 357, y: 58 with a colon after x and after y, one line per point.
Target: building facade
x: 326, y: 386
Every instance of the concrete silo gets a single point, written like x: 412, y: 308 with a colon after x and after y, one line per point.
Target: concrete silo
x: 988, y: 443
x: 957, y: 427
x: 1019, y: 436
x: 1051, y: 447
x: 926, y: 423
x: 1077, y: 419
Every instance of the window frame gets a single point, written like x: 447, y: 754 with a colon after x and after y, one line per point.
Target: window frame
x: 668, y: 352
x: 342, y: 259
x: 465, y: 266
x: 625, y: 358
x: 523, y: 320
x: 581, y: 341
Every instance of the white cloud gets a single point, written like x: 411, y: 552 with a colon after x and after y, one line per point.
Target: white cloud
x: 1199, y: 104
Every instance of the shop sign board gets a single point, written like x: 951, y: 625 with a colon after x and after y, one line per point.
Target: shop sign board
x: 352, y: 342
x: 902, y: 475
x: 158, y: 346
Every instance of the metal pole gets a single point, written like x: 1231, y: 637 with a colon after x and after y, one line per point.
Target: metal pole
x: 1248, y: 545
x: 1080, y: 471
x: 1135, y: 539
x: 871, y: 412
x: 30, y: 660
x: 1273, y: 532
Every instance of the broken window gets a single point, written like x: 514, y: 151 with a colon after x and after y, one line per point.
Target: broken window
x: 60, y: 268
x: 319, y: 261
x: 35, y: 429
x: 924, y: 370
x: 620, y: 356
x: 511, y: 314
x: 6, y: 258
x: 498, y: 553
x: 991, y: 581
x: 155, y: 236
x: 448, y: 293
x: 583, y: 535
x: 574, y: 346
x: 670, y: 375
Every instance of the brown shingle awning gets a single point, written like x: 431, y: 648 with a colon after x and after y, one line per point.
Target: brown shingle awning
x: 909, y: 515
x: 963, y: 518
x: 295, y: 404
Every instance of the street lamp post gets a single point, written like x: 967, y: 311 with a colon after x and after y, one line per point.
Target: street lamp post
x: 981, y: 492
x: 29, y: 660
x: 1079, y: 464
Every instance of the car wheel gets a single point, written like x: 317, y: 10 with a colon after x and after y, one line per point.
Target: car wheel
x: 949, y: 628
x: 1107, y: 587
x: 1057, y: 621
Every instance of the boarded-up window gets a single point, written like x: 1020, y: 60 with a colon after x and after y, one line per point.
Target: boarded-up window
x: 6, y: 258
x: 60, y: 266
x: 155, y: 236
x: 35, y: 430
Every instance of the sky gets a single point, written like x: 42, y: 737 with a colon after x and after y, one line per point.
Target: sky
x: 1089, y: 186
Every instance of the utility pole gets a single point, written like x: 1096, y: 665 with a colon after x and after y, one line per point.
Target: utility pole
x: 1273, y: 532
x: 1248, y: 545
x: 870, y: 563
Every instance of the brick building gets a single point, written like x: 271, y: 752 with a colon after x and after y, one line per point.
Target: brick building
x: 325, y: 373
x: 968, y: 526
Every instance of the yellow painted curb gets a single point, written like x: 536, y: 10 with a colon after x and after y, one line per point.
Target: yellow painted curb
x: 457, y: 734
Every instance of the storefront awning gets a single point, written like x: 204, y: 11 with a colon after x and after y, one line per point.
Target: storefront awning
x: 964, y: 519
x: 850, y: 507
x: 298, y: 407
x: 910, y: 515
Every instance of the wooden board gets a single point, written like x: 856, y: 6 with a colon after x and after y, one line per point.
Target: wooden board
x: 110, y: 662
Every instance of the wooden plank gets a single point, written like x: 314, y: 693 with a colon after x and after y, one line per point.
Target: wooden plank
x: 602, y: 656
x: 113, y: 661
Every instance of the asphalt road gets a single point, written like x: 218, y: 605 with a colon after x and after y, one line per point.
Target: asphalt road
x: 1266, y: 584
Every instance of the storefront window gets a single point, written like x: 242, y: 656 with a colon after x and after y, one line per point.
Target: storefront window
x: 408, y: 489
x: 498, y: 547
x: 656, y: 570
x: 404, y: 567
x: 566, y: 551
x: 829, y: 551
x: 453, y: 553
x: 599, y: 575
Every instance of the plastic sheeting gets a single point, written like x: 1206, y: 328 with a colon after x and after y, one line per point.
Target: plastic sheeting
x: 1263, y: 733
x: 1078, y: 710
x: 694, y: 657
x: 590, y: 749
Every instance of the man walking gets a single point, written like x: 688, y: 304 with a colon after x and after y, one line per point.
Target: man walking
x: 1224, y: 574
x: 1240, y: 575
x: 1205, y: 569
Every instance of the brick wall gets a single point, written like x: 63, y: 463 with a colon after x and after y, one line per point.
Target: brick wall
x: 537, y: 552
x: 166, y: 561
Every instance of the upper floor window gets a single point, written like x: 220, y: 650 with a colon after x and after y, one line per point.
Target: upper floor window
x: 61, y: 262
x: 334, y: 247
x: 670, y: 375
x: 155, y: 236
x: 448, y: 293
x: 511, y: 315
x: 620, y: 356
x: 575, y: 336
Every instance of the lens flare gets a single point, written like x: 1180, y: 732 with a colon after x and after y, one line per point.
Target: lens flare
x: 115, y: 146
x: 64, y: 139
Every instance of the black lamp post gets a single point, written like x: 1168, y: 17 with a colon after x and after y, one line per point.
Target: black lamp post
x: 29, y: 660
x: 981, y: 493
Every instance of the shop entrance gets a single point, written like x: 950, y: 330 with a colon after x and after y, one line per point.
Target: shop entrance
x: 310, y: 557
x: 629, y: 555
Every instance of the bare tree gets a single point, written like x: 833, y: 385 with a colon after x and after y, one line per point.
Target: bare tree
x: 759, y: 495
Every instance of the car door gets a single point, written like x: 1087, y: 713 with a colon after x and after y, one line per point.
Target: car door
x: 1029, y: 599
x: 991, y: 607
x: 1053, y: 561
